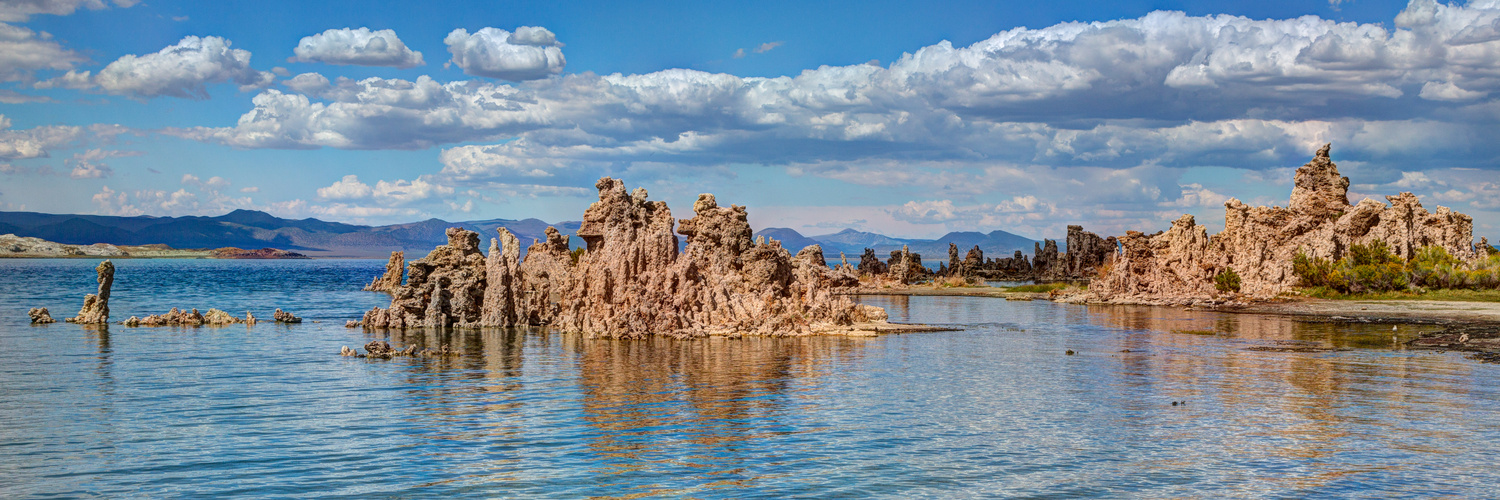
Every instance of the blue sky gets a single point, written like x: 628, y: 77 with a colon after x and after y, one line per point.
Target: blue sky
x: 903, y: 118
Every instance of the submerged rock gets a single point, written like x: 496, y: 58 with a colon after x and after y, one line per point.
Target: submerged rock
x: 95, y: 308
x: 1260, y: 243
x: 40, y: 316
x: 281, y: 316
x: 391, y: 280
x: 383, y: 349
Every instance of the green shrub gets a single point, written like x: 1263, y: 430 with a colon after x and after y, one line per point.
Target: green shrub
x: 1227, y: 281
x: 1434, y: 267
x: 1374, y: 253
x: 1313, y: 271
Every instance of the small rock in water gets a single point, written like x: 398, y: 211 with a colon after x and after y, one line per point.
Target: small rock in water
x: 40, y: 316
x: 1069, y: 352
x: 1174, y: 403
x: 285, y: 317
x: 351, y: 324
x: 1393, y: 328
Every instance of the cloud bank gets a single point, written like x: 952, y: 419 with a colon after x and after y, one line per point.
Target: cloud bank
x: 360, y: 47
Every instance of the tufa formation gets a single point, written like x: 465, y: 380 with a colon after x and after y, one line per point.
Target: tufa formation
x: 96, y: 306
x: 1259, y: 243
x: 391, y: 280
x: 631, y: 281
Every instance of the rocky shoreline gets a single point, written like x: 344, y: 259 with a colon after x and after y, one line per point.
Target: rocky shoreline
x: 15, y: 247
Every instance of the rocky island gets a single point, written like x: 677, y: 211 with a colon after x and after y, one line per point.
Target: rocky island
x: 631, y: 281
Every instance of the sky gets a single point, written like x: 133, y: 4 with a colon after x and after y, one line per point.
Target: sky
x: 910, y: 119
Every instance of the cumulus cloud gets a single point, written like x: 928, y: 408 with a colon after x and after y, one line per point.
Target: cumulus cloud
x: 1122, y: 107
x: 348, y: 188
x: 528, y: 54
x: 204, y: 197
x: 182, y: 70
x: 1167, y: 87
x: 23, y: 52
x: 398, y: 192
x: 360, y: 47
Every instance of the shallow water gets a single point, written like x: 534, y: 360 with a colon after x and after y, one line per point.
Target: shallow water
x: 996, y: 409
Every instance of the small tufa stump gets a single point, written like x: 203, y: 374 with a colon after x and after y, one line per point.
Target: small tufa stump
x: 40, y: 316
x: 383, y: 350
x: 285, y: 317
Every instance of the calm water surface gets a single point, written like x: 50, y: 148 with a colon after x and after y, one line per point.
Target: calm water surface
x: 996, y: 409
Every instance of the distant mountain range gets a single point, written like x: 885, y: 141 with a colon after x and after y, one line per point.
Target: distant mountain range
x: 853, y: 244
x: 252, y: 229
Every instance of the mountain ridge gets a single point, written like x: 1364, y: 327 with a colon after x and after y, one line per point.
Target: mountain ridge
x: 255, y: 229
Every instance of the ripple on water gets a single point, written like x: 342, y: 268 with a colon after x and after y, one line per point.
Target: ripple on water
x: 994, y: 409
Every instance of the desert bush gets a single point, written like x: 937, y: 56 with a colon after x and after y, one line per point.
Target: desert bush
x: 1312, y: 271
x: 1227, y: 281
x: 1434, y: 267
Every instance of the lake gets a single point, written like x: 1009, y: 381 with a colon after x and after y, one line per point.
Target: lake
x: 996, y: 408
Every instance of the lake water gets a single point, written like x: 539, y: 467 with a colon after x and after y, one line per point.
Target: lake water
x: 995, y: 409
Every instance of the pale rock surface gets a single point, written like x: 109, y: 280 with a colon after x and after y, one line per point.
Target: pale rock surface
x: 444, y: 288
x: 40, y: 316
x: 391, y: 280
x: 631, y: 281
x: 1259, y: 243
x: 95, y: 308
x: 279, y: 316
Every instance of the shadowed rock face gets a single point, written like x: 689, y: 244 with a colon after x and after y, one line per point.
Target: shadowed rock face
x: 96, y: 306
x: 391, y: 280
x: 632, y: 282
x: 1259, y: 243
x: 444, y: 288
x: 40, y: 316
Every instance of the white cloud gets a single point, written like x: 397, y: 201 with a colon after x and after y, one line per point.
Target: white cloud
x: 528, y: 54
x: 766, y: 47
x: 348, y: 188
x: 1447, y: 91
x: 205, y: 198
x: 34, y: 142
x: 89, y: 165
x: 183, y: 70
x: 250, y: 189
x: 22, y: 10
x: 360, y: 47
x: 23, y: 52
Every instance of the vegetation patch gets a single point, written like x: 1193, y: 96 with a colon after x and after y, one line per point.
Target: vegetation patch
x: 1372, y: 272
x: 1038, y: 288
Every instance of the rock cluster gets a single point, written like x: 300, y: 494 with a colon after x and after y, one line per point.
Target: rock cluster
x: 40, y: 316
x: 281, y: 316
x: 1259, y: 243
x: 178, y: 317
x: 871, y: 265
x: 95, y: 308
x: 445, y: 288
x: 391, y: 280
x: 383, y: 349
x: 1086, y: 253
x: 631, y: 281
